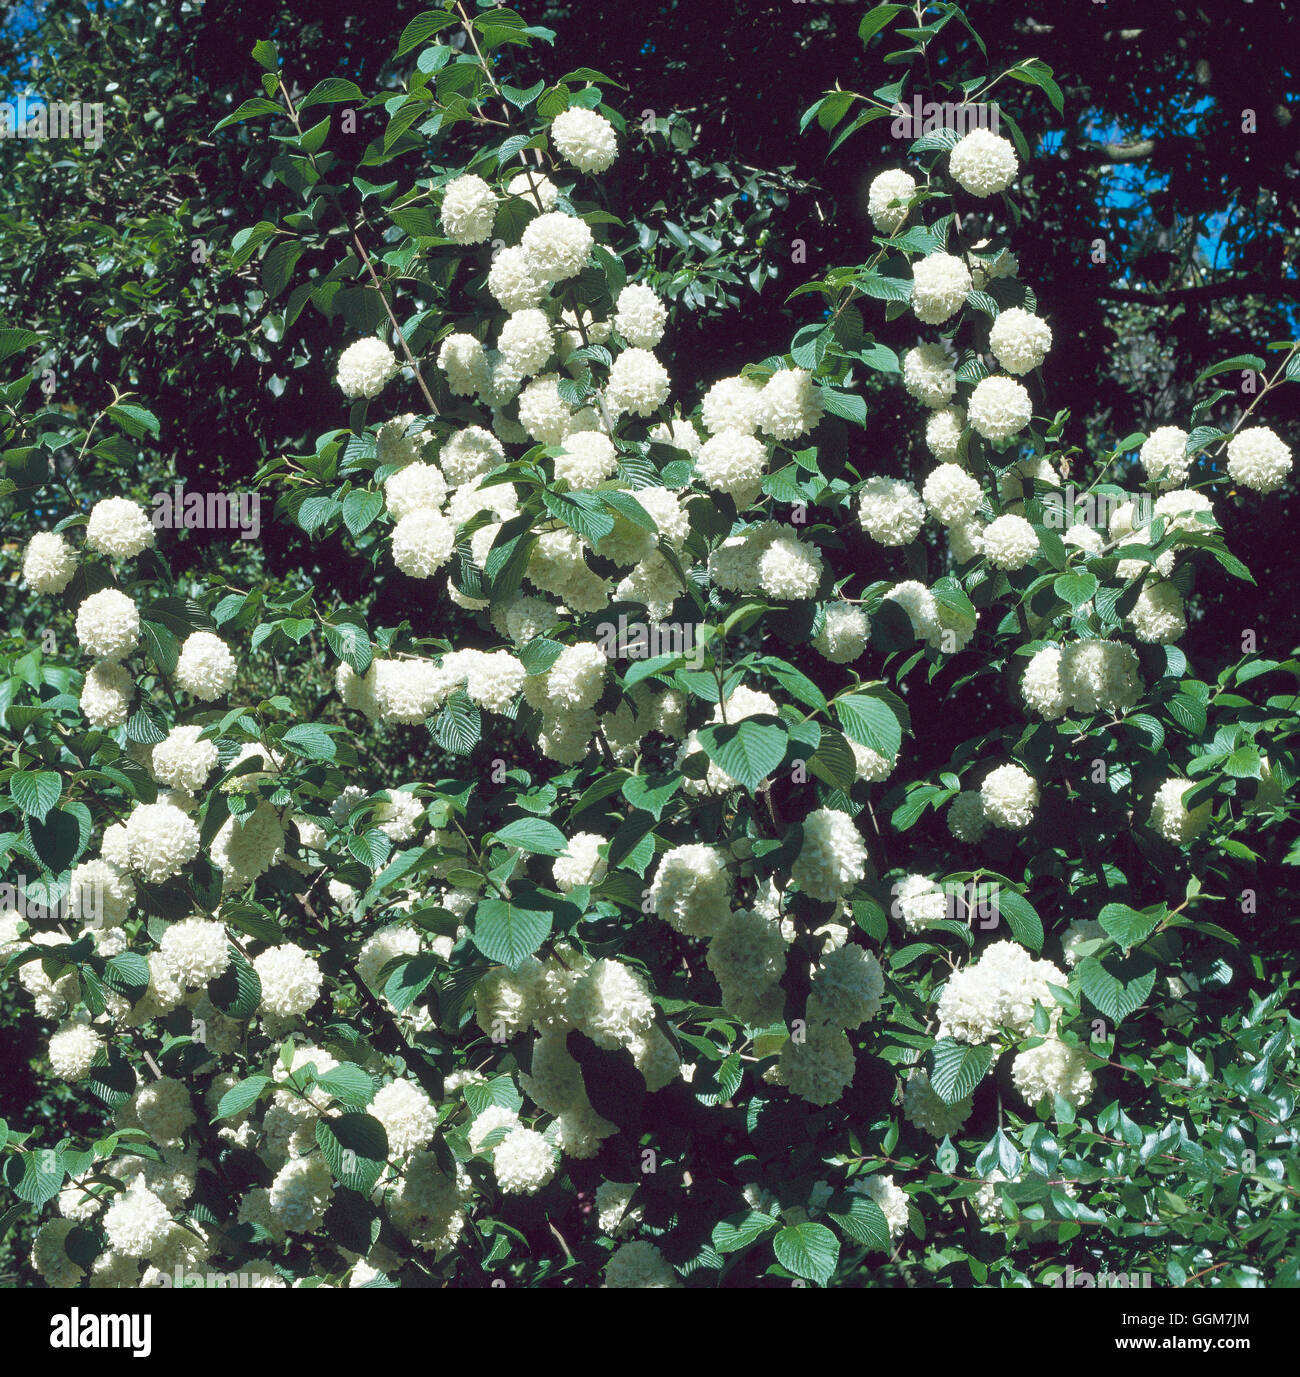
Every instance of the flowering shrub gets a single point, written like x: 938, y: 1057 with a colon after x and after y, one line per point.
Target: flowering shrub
x: 671, y: 968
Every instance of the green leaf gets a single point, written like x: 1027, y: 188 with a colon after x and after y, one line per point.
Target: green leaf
x: 1118, y: 993
x: 356, y: 1148
x: 409, y: 980
x: 241, y: 1097
x: 870, y: 722
x: 748, y: 751
x: 265, y: 55
x: 127, y: 975
x: 858, y: 1216
x: 1076, y: 589
x: 35, y: 791
x: 349, y: 642
x: 360, y: 508
x: 808, y: 1250
x: 135, y: 420
x: 332, y: 91
x: 1127, y: 926
x: 237, y: 991
x: 250, y: 109
x: 958, y: 1069
x: 651, y: 793
x: 311, y: 740
x: 1022, y: 918
x: 507, y: 933
x: 349, y: 1084
x: 533, y: 835
x: 738, y: 1231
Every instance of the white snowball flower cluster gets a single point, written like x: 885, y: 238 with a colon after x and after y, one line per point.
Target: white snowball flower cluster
x: 584, y: 138
x: 847, y: 987
x: 463, y: 359
x: 1171, y: 817
x: 49, y: 563
x: 1053, y: 1069
x: 1180, y: 510
x: 789, y: 568
x: 951, y: 494
x: 1158, y: 617
x: 523, y: 1162
x: 843, y: 634
x: 399, y: 818
x: 416, y: 487
x: 576, y: 679
x: 789, y: 404
x: 999, y: 408
x: 101, y: 888
x: 526, y: 341
x: 557, y: 245
x: 291, y: 980
x: 923, y: 1107
x: 1259, y: 459
x: 819, y: 1065
x: 870, y: 765
x: 639, y: 1266
x: 196, y: 949
x: 731, y: 404
x: 929, y: 375
x: 692, y: 889
x: 890, y: 510
x: 940, y: 284
x: 983, y: 163
x: 366, y: 367
x: 886, y: 191
x: 1020, y: 340
x: 1164, y: 456
x: 542, y: 411
x: 106, y: 694
x: 408, y: 1115
x: 1010, y: 542
x: 640, y: 317
x: 580, y: 863
x: 734, y: 463
x: 638, y: 383
x: 423, y: 541
x: 1080, y: 931
x: 469, y: 454
x: 71, y: 1051
x: 610, y: 1004
x: 1040, y: 685
x: 181, y: 761
x: 1009, y: 795
x: 832, y: 857
x: 966, y: 820
x: 137, y: 1223
x: 161, y: 839
x: 108, y: 625
x: 996, y: 994
x: 206, y: 668
x: 589, y: 458
x: 920, y: 902
x: 534, y: 188
x: 891, y: 1199
x: 747, y: 956
x: 249, y: 847
x: 514, y: 282
x: 300, y: 1194
x: 613, y: 1215
x: 394, y: 446
x: 943, y: 432
x: 1099, y: 676
x: 469, y: 208
x: 163, y: 1108
x: 119, y: 527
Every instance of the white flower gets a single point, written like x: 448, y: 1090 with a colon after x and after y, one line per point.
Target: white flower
x: 1009, y: 795
x: 923, y: 1107
x: 584, y: 138
x: 463, y: 359
x: 789, y: 404
x: 106, y: 694
x: 1099, y: 676
x: 999, y: 408
x: 983, y: 163
x: 886, y: 188
x: 181, y: 761
x: 929, y: 375
x: 366, y: 367
x: 72, y: 1049
x: 731, y: 404
x: 108, y: 624
x: 161, y: 840
x: 137, y: 1223
x: 423, y: 542
x: 832, y: 857
x: 640, y: 316
x: 249, y: 847
x: 747, y: 956
x: 733, y: 462
x: 844, y: 633
x: 394, y: 446
x: 206, y: 668
x: 535, y: 189
x: 1258, y: 459
x: 819, y: 1065
x: 1171, y: 817
x: 639, y: 1266
x: 469, y: 208
x: 1040, y: 685
x: 870, y: 765
x: 1053, y: 1069
x: 163, y: 1108
x: 638, y: 383
x: 1020, y: 340
x: 514, y: 282
x: 951, y: 494
x: 523, y: 1162
x: 197, y: 950
x: 790, y: 568
x: 613, y: 1216
x: 943, y: 432
x: 610, y: 1004
x: 966, y: 540
x: 848, y: 986
x: 469, y: 454
x: 692, y: 889
x: 1010, y: 542
x: 118, y: 527
x: 920, y: 605
x: 493, y: 680
x: 997, y: 994
x: 49, y: 563
x: 580, y: 863
x: 940, y: 286
x: 589, y: 458
x: 678, y: 433
x: 1157, y: 616
x: 542, y: 412
x: 557, y: 245
x: 1179, y: 509
x: 526, y: 341
x: 417, y: 487
x: 920, y: 902
x: 890, y: 510
x: 400, y: 817
x: 1164, y: 456
x: 291, y: 980
x: 408, y: 1115
x: 892, y: 1200
x: 494, y: 1117
x: 577, y: 677
x: 301, y: 1193
x: 99, y: 892
x: 1084, y: 537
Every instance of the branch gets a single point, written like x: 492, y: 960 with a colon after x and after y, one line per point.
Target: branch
x: 1208, y: 291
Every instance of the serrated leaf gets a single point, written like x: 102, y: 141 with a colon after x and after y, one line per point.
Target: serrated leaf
x: 808, y: 1250
x: 533, y: 835
x: 958, y: 1069
x: 748, y: 751
x: 870, y: 722
x: 508, y: 933
x: 241, y: 1097
x: 356, y: 1148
